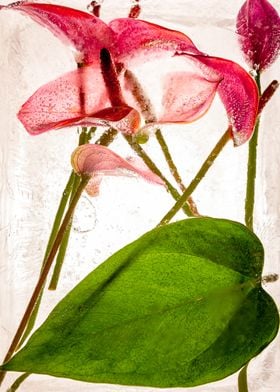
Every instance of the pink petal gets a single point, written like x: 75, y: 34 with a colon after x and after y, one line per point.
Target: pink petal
x: 188, y: 94
x: 75, y: 94
x: 77, y: 98
x: 92, y: 187
x: 93, y: 159
x: 122, y: 118
x: 135, y: 38
x: 86, y: 32
x: 187, y: 97
x: 258, y: 25
x: 239, y: 94
x: 172, y: 90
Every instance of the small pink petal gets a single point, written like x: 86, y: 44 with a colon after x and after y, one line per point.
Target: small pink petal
x: 77, y: 98
x: 258, y: 26
x: 239, y: 94
x: 92, y: 187
x: 93, y: 159
x: 135, y: 37
x: 86, y: 32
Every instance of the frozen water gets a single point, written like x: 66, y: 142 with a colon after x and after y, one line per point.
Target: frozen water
x: 34, y: 171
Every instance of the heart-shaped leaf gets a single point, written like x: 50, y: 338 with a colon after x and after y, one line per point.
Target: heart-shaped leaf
x: 181, y: 306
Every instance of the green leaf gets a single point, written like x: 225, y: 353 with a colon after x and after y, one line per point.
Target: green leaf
x: 181, y: 306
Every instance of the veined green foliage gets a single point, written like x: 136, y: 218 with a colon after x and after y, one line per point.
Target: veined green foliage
x: 181, y: 306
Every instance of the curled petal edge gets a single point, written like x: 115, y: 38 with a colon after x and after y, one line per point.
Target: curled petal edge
x: 239, y: 94
x: 87, y: 33
x: 123, y: 118
x: 96, y: 160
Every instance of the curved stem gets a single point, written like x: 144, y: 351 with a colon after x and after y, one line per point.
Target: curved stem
x: 200, y: 174
x: 174, y: 171
x: 150, y: 164
x: 44, y: 273
x: 242, y: 380
x: 18, y: 382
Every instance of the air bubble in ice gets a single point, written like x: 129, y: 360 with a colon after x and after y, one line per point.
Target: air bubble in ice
x: 84, y: 219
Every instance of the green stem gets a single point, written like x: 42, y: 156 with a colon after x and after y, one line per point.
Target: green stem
x: 242, y: 380
x: 199, y: 176
x: 250, y: 188
x: 251, y: 178
x: 172, y: 167
x: 59, y: 260
x: 56, y: 224
x: 60, y: 212
x: 251, y: 171
x: 258, y: 81
x: 174, y: 171
x: 150, y: 164
x: 149, y: 116
x: 84, y: 138
x: 44, y: 273
x: 107, y: 137
x: 18, y: 382
x: 64, y: 244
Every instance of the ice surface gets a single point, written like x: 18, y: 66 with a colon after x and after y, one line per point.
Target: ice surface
x: 34, y: 171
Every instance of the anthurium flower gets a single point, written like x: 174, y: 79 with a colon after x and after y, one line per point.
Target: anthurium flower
x: 258, y: 26
x: 97, y: 161
x: 181, y: 88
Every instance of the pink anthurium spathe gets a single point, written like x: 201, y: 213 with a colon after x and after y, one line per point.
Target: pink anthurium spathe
x: 237, y: 101
x: 77, y: 98
x: 96, y: 161
x: 186, y: 84
x: 258, y: 26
